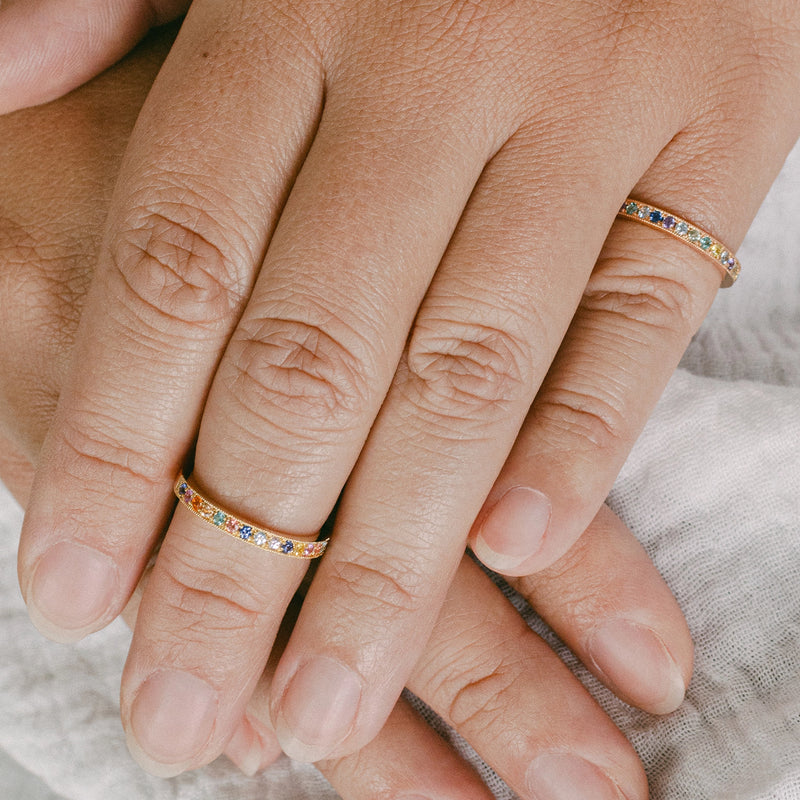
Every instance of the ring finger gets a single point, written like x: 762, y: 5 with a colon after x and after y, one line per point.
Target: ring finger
x: 646, y: 297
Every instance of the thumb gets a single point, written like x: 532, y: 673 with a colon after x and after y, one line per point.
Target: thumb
x: 49, y: 47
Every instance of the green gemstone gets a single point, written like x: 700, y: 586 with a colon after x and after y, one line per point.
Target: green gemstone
x: 706, y: 242
x: 693, y: 235
x: 631, y: 208
x: 219, y: 518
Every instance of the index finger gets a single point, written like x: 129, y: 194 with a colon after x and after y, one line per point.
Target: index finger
x: 174, y: 272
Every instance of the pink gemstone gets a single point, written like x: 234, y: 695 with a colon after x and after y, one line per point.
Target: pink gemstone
x: 187, y: 496
x: 232, y: 525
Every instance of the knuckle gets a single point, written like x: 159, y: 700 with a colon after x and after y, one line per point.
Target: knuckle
x: 570, y: 415
x: 178, y: 263
x: 387, y: 590
x: 639, y: 303
x: 479, y: 699
x: 467, y: 371
x: 300, y: 369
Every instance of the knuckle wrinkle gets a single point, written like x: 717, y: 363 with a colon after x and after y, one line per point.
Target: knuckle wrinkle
x: 469, y: 370
x: 176, y: 269
x: 394, y: 590
x: 302, y: 369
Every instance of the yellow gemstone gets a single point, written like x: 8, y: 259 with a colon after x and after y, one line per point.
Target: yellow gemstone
x: 715, y: 250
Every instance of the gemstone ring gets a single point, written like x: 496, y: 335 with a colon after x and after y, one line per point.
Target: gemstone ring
x: 245, y: 531
x: 687, y: 232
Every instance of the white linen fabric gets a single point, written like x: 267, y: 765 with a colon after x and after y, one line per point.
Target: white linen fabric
x: 712, y: 488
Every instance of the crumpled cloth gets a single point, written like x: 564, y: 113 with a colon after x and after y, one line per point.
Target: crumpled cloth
x: 712, y: 489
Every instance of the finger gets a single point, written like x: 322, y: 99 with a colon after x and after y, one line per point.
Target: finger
x: 48, y: 47
x: 292, y: 402
x: 172, y: 278
x: 499, y: 685
x: 647, y: 296
x: 607, y: 602
x: 407, y: 760
x: 488, y: 328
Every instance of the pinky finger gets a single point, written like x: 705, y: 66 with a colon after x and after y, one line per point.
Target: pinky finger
x: 49, y: 47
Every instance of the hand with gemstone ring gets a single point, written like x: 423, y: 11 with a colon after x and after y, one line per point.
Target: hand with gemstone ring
x: 375, y: 243
x: 495, y: 681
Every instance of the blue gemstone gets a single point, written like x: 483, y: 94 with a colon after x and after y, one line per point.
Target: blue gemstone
x: 182, y: 489
x: 656, y: 216
x: 287, y: 546
x: 245, y: 532
x: 668, y: 223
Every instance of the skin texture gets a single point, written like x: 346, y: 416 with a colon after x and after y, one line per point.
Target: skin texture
x: 483, y: 670
x: 375, y: 243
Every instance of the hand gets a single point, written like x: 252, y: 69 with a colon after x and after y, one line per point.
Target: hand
x: 487, y: 674
x: 357, y: 242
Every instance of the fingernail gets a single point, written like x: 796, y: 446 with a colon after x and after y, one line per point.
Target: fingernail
x: 318, y: 709
x: 244, y: 749
x: 637, y: 665
x: 172, y: 718
x: 559, y: 776
x: 513, y: 529
x: 71, y: 589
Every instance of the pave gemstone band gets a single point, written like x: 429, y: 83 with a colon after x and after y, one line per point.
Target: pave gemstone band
x: 687, y: 232
x: 246, y: 531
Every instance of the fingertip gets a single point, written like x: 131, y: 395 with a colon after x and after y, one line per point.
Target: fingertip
x: 635, y: 662
x: 171, y: 720
x: 317, y: 710
x: 71, y: 591
x: 513, y: 530
x: 563, y: 776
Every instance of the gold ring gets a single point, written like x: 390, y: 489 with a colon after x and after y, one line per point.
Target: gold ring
x: 248, y: 532
x: 687, y: 232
